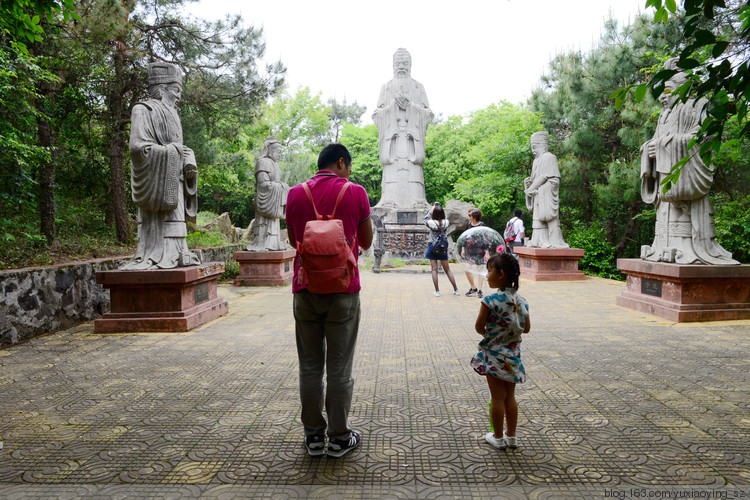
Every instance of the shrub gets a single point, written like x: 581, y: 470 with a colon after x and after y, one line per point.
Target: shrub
x: 212, y: 239
x: 599, y: 257
x: 732, y: 221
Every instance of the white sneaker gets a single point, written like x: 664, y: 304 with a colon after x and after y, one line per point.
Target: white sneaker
x: 511, y: 441
x: 436, y: 294
x: 456, y: 292
x: 497, y: 443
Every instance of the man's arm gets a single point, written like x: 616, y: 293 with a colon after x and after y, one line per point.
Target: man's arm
x: 364, y: 234
x: 292, y: 239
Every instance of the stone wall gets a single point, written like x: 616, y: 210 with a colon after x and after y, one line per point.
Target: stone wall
x: 35, y: 301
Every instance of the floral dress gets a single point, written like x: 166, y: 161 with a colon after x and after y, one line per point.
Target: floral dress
x: 499, y: 352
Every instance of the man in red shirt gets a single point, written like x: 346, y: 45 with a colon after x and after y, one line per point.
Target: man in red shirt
x: 326, y: 325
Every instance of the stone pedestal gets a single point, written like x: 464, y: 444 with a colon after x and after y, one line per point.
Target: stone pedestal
x: 268, y: 268
x: 161, y: 300
x: 550, y: 264
x: 685, y: 293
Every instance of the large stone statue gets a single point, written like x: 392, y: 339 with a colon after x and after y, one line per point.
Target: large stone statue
x: 402, y: 117
x: 685, y: 232
x: 270, y: 200
x: 163, y: 175
x: 542, y: 190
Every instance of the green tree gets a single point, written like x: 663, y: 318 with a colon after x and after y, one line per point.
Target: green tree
x: 481, y: 159
x: 716, y: 58
x: 598, y: 145
x: 343, y: 113
x: 362, y: 143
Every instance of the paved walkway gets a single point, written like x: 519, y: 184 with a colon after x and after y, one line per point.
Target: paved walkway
x: 618, y: 404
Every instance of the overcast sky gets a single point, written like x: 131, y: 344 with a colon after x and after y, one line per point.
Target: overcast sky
x: 467, y: 54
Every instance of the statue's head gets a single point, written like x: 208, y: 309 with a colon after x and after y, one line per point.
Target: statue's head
x: 164, y: 82
x: 272, y: 148
x: 539, y: 143
x: 402, y: 64
x: 667, y: 98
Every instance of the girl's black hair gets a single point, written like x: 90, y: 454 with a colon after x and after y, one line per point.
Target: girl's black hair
x: 437, y: 212
x: 508, y: 264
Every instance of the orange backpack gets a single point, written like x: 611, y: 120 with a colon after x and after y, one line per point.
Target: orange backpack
x: 326, y: 258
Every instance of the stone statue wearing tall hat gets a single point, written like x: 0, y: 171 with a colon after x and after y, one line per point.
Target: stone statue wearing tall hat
x: 270, y: 199
x: 163, y: 175
x: 685, y: 232
x: 542, y: 189
x: 402, y: 116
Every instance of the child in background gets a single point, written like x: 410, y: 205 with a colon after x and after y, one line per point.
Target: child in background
x: 503, y: 317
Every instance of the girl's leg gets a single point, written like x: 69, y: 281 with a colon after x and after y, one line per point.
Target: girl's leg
x: 434, y: 266
x: 447, y: 269
x: 498, y: 396
x: 511, y: 408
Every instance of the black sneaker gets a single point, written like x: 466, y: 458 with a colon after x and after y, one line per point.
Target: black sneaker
x: 471, y: 292
x: 480, y: 294
x: 340, y: 447
x: 315, y: 445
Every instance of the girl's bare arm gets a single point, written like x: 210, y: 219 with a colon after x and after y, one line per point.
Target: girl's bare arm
x: 484, y: 313
x: 527, y: 327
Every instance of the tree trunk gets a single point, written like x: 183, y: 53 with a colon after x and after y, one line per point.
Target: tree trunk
x: 46, y: 170
x: 117, y: 144
x: 628, y: 234
x: 46, y: 177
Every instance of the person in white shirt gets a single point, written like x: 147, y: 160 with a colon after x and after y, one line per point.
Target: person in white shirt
x: 520, y: 231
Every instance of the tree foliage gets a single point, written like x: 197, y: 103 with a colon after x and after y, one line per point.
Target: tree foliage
x: 716, y: 59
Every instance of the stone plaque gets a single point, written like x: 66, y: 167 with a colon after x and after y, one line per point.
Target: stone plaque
x: 651, y: 287
x: 526, y: 262
x: 406, y: 217
x: 201, y: 293
x: 286, y: 266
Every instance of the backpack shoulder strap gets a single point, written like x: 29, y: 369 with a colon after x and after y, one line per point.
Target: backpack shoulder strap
x: 309, y: 197
x: 338, y: 200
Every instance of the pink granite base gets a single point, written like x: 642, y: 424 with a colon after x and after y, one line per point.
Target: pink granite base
x: 270, y: 268
x: 550, y: 264
x: 686, y: 293
x: 161, y: 300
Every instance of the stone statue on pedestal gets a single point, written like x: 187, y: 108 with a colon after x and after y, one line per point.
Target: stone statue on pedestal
x: 163, y: 175
x: 542, y: 190
x: 402, y: 117
x: 270, y: 200
x: 685, y: 232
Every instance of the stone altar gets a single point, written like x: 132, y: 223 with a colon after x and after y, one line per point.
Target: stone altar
x: 406, y: 238
x: 550, y: 264
x: 402, y: 116
x: 685, y: 274
x: 161, y: 300
x: 686, y: 292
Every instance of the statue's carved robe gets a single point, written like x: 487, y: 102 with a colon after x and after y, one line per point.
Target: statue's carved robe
x: 401, y: 139
x: 163, y: 196
x: 270, y: 206
x: 545, y: 205
x: 685, y: 231
x: 393, y: 121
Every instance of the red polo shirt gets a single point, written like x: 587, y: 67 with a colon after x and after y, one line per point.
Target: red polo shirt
x: 353, y: 209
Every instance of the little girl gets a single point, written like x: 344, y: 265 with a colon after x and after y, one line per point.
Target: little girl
x: 503, y: 317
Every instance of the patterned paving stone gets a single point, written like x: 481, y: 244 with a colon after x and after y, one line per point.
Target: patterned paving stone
x: 616, y: 401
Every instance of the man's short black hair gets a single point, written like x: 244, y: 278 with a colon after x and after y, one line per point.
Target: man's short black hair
x: 518, y: 213
x: 331, y: 154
